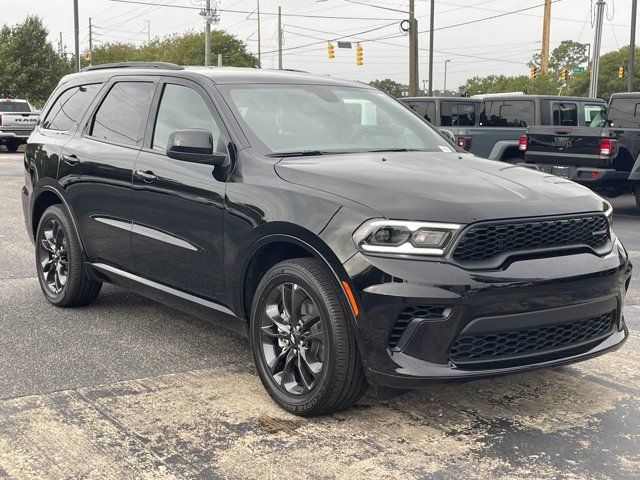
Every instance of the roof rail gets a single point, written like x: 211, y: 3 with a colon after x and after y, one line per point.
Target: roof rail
x: 160, y: 65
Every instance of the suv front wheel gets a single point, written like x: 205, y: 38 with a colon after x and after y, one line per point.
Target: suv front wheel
x: 59, y: 263
x: 303, y: 345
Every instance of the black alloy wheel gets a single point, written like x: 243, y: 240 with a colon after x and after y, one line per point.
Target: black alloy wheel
x: 303, y: 339
x: 53, y: 256
x: 59, y: 261
x: 293, y: 338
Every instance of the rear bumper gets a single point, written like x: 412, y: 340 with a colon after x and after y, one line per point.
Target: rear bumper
x: 528, y: 294
x: 7, y: 135
x: 584, y: 175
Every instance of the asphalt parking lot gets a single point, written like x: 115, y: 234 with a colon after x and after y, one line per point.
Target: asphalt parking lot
x: 128, y: 388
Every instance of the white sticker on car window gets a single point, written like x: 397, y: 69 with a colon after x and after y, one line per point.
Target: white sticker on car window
x: 445, y: 149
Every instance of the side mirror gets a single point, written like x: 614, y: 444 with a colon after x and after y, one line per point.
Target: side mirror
x: 194, y: 145
x: 449, y: 134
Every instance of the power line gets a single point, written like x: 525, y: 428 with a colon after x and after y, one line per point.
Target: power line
x: 245, y: 12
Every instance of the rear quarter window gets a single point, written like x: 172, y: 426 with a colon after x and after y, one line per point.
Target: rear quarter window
x: 67, y: 110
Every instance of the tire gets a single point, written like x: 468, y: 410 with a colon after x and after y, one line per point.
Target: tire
x: 12, y: 147
x: 59, y: 261
x: 324, y: 350
x: 636, y: 190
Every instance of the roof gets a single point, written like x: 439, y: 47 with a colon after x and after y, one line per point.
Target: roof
x: 465, y: 99
x: 219, y: 75
x: 625, y: 94
x: 541, y: 97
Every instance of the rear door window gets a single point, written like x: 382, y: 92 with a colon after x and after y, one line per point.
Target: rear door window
x: 508, y: 113
x: 463, y: 114
x: 624, y: 113
x: 123, y: 113
x: 68, y: 109
x: 426, y: 110
x: 565, y: 114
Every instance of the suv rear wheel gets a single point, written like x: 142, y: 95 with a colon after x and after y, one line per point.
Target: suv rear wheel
x: 303, y: 345
x: 12, y: 147
x: 59, y: 261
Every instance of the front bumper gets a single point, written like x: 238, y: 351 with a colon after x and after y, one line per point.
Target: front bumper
x: 528, y: 294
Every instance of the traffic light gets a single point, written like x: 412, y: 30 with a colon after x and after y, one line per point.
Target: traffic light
x: 620, y: 72
x: 331, y: 50
x: 533, y: 72
x: 359, y: 57
x: 563, y: 73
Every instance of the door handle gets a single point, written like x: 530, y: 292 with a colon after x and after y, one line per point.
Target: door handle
x: 147, y: 176
x: 71, y: 159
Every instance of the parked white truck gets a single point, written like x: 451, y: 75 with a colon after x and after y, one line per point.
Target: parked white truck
x: 17, y: 120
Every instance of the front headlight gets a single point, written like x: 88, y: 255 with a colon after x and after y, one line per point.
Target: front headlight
x: 398, y: 236
x: 607, y: 209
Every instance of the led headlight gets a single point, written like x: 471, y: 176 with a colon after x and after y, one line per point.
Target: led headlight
x: 607, y: 209
x: 397, y: 236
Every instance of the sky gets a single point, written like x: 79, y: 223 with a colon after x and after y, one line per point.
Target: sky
x: 464, y: 34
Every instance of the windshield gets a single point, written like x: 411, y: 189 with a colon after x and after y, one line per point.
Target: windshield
x: 320, y: 118
x: 11, y: 106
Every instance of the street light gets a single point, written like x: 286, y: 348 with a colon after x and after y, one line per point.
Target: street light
x: 445, y: 75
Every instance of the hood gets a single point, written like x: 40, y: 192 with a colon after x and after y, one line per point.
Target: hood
x: 434, y: 186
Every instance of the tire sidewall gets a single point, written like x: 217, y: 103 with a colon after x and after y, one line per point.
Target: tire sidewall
x: 74, y: 257
x: 298, y: 404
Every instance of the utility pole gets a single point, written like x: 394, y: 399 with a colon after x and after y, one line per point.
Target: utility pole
x: 413, y: 50
x: 60, y: 46
x: 632, y: 45
x: 76, y: 33
x: 219, y: 59
x: 207, y: 34
x: 595, y: 61
x: 546, y: 30
x: 90, y: 42
x: 148, y: 31
x: 444, y: 88
x: 259, y: 46
x: 280, y: 38
x: 431, y: 23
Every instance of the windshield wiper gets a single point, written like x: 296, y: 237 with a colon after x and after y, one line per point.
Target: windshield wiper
x: 302, y: 153
x: 380, y: 150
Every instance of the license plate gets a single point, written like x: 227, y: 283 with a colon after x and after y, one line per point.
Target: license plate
x: 560, y: 171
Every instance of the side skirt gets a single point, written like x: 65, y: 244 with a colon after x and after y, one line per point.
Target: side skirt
x: 191, y: 304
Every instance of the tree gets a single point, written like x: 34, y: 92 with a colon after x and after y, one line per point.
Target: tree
x: 390, y: 86
x: 608, y: 81
x: 568, y: 54
x: 183, y: 49
x: 542, y: 85
x: 31, y: 68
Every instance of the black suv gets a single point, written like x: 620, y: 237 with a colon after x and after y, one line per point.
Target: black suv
x: 321, y: 218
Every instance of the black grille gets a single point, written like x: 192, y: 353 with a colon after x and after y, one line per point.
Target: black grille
x: 408, y: 314
x: 486, y: 241
x: 473, y: 348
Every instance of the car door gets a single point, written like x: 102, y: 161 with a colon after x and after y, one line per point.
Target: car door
x: 178, y: 206
x: 98, y: 166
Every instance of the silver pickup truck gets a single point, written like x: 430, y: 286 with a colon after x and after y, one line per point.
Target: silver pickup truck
x: 17, y: 121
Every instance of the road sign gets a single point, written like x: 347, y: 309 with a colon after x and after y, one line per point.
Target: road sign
x: 344, y: 44
x: 577, y: 69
